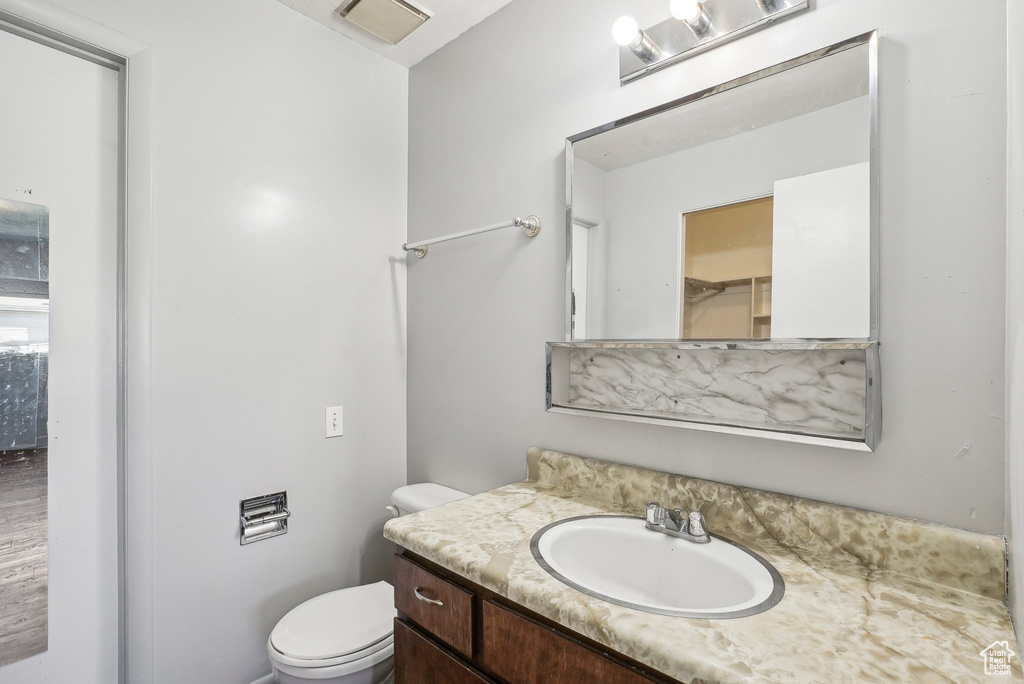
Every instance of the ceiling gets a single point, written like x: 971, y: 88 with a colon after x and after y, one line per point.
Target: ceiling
x: 810, y: 87
x: 451, y: 18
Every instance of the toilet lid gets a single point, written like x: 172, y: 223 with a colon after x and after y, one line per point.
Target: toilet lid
x: 337, y: 623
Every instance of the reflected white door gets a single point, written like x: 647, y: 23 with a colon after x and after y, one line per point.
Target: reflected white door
x: 580, y: 276
x: 821, y: 263
x: 59, y: 148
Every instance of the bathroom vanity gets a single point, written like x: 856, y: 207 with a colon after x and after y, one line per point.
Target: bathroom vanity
x: 868, y: 597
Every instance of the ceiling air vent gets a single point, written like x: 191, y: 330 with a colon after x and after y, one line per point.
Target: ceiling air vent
x: 391, y: 20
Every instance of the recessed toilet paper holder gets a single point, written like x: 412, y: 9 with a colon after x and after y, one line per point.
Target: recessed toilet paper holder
x: 263, y: 517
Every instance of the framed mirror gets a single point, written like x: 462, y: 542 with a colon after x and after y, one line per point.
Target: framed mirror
x: 747, y: 211
x: 722, y: 258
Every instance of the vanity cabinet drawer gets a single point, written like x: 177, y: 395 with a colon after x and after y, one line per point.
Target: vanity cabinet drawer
x: 417, y: 661
x: 517, y: 649
x: 442, y: 608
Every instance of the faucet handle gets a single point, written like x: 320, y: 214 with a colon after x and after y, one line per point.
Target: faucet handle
x: 698, y: 526
x: 655, y: 514
x: 676, y: 520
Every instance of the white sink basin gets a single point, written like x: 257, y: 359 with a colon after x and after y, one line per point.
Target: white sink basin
x: 617, y: 559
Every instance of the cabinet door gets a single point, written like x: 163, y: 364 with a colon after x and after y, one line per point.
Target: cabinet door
x: 442, y: 608
x: 417, y: 661
x: 517, y: 649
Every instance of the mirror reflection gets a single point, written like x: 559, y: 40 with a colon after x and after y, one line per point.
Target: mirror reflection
x: 745, y: 214
x: 24, y: 354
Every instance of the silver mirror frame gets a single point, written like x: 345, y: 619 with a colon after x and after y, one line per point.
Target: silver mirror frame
x: 869, y: 39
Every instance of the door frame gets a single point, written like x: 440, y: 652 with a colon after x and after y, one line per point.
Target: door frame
x: 38, y: 33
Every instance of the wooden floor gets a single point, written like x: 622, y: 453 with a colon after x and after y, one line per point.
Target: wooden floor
x: 23, y: 574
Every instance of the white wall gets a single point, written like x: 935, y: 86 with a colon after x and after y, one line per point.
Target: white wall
x: 58, y: 133
x: 489, y: 114
x: 1015, y: 309
x: 268, y: 175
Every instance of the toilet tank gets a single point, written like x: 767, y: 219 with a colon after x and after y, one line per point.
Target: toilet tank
x: 419, y: 497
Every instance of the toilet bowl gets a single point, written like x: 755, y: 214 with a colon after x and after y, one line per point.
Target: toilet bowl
x: 345, y: 636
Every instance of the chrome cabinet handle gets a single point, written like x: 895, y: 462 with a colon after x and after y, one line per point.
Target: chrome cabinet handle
x: 421, y: 597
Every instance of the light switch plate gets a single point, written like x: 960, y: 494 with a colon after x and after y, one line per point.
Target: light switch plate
x: 334, y: 421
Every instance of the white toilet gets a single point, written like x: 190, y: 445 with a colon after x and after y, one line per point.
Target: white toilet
x: 345, y: 636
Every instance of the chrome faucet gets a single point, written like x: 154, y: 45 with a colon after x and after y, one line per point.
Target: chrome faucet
x: 675, y: 523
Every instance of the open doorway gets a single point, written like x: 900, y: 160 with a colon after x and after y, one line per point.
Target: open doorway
x: 726, y: 275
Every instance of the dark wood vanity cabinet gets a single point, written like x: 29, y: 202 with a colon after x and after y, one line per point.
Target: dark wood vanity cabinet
x: 418, y: 660
x: 437, y: 606
x: 451, y: 631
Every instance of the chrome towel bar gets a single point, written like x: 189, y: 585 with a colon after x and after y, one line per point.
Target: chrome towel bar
x: 530, y: 226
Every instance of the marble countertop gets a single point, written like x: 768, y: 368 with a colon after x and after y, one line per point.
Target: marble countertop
x: 868, y: 597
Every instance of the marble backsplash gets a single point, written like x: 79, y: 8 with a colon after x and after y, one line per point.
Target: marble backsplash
x: 813, y: 391
x: 860, y: 539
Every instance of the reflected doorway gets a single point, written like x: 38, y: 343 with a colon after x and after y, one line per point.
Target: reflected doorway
x: 726, y: 267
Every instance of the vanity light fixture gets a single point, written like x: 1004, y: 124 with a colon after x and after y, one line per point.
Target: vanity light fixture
x: 628, y: 34
x: 691, y: 13
x: 695, y: 26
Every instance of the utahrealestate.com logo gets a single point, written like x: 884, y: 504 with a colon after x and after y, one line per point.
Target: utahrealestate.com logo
x: 997, y: 658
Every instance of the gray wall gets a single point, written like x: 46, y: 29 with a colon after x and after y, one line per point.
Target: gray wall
x: 1015, y: 310
x: 488, y: 117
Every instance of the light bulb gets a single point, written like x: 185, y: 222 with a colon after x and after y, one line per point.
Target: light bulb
x: 626, y: 31
x: 686, y: 10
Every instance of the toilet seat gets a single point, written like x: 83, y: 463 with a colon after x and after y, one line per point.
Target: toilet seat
x: 373, y: 662
x: 385, y: 644
x: 336, y: 628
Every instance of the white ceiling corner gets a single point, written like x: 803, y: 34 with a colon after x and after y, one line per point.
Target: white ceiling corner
x: 451, y: 18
